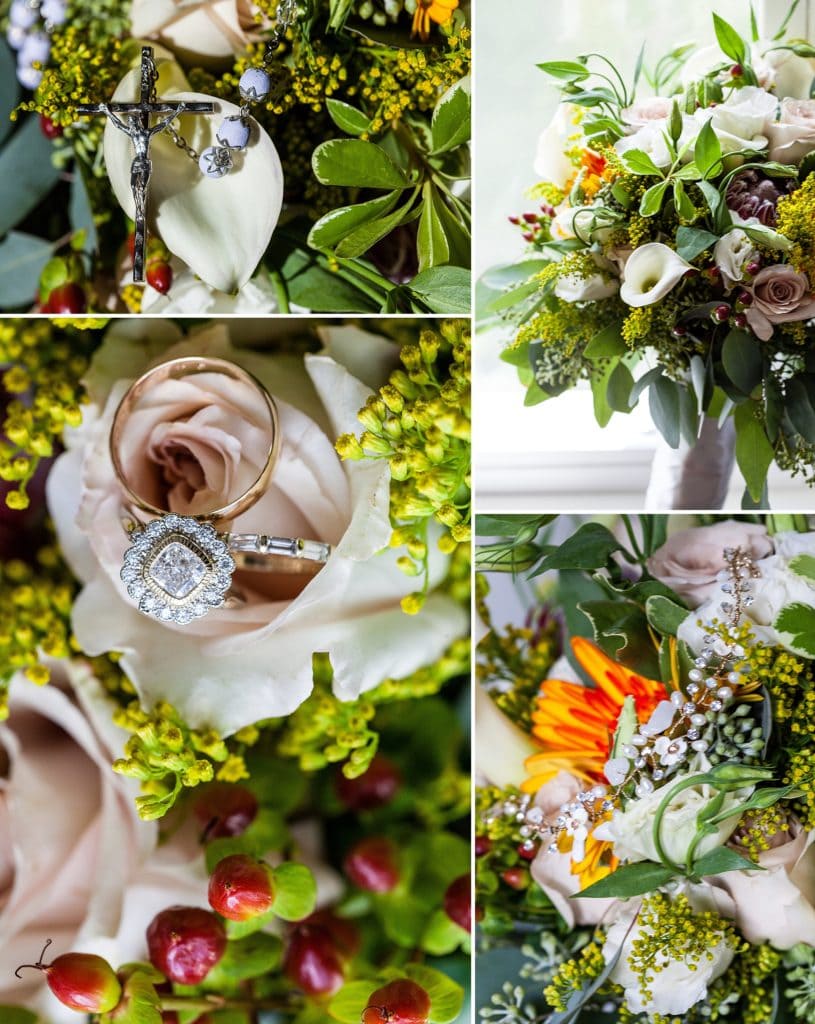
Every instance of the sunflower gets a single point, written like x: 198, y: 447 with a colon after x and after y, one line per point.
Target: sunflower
x: 427, y: 11
x: 575, y: 724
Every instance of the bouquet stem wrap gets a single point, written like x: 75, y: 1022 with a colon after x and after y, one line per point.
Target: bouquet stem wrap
x: 693, y: 476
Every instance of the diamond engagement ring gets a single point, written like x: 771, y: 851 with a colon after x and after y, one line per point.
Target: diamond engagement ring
x: 178, y: 568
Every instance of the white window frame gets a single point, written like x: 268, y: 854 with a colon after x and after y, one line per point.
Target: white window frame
x: 772, y: 12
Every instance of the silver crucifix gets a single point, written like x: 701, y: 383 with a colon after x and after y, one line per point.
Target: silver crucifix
x: 135, y: 123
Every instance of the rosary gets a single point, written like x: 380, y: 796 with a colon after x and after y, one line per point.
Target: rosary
x: 233, y: 134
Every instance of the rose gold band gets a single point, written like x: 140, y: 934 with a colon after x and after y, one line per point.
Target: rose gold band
x: 177, y: 369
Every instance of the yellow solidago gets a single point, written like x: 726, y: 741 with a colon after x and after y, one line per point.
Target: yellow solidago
x: 796, y: 220
x: 572, y: 976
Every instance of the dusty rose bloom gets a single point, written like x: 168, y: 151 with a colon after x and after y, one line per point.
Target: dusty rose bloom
x: 780, y: 295
x: 792, y: 137
x: 653, y: 108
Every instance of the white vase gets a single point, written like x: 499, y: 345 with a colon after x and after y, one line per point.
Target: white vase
x: 693, y: 477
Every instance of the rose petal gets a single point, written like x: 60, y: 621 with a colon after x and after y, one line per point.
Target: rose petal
x: 219, y: 228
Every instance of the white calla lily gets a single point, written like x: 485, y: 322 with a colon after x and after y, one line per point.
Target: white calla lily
x: 650, y: 273
x: 207, y: 32
x: 219, y: 227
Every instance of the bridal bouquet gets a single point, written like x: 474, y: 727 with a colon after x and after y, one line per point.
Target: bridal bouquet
x: 646, y: 814
x: 348, y: 182
x: 671, y: 248
x: 265, y: 812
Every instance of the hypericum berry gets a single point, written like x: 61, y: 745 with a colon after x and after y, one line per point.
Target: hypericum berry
x: 185, y: 943
x: 377, y: 787
x: 678, y: 331
x: 736, y: 71
x: 49, y: 129
x: 458, y: 903
x: 68, y: 298
x: 740, y: 321
x: 241, y: 887
x: 81, y: 981
x: 398, y: 1002
x: 160, y: 276
x: 745, y: 298
x: 753, y: 267
x: 516, y: 878
x: 483, y: 845
x: 224, y: 810
x: 343, y: 932
x: 721, y: 314
x: 373, y: 864
x: 527, y: 853
x: 313, y: 962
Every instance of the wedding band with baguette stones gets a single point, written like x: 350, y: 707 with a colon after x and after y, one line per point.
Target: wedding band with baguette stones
x: 179, y: 568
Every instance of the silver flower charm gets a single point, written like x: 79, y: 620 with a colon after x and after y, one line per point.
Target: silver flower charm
x: 177, y: 569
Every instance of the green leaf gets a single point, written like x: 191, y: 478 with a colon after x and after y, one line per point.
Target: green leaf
x: 729, y: 40
x: 361, y: 239
x: 347, y: 118
x: 9, y: 88
x: 347, y: 1005
x: 431, y: 240
x: 17, y: 1015
x: 675, y: 123
x: 511, y: 525
x: 446, y: 997
x: 590, y: 547
x: 443, y: 289
x: 692, y: 242
x: 682, y: 202
x: 653, y: 199
x: 565, y: 69
x: 796, y: 625
x: 295, y: 891
x: 720, y: 860
x: 354, y: 163
x: 754, y: 453
x: 335, y: 225
x: 743, y: 360
x: 804, y: 566
x: 442, y: 936
x: 664, y: 615
x: 799, y: 405
x: 621, y: 630
x: 663, y: 400
x: 766, y: 236
x: 599, y: 387
x: 22, y: 258
x: 450, y: 126
x: 140, y: 1003
x: 242, y: 929
x: 627, y: 725
x: 27, y: 172
x: 620, y: 386
x: 639, y: 162
x: 81, y: 214
x: 252, y: 957
x: 606, y: 343
x: 629, y: 880
x: 707, y: 152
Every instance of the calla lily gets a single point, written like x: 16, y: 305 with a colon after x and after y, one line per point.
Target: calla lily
x: 207, y: 31
x: 219, y: 227
x: 651, y: 272
x: 501, y: 747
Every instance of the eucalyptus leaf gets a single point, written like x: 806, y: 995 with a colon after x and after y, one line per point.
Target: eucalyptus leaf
x: 692, y: 242
x: 754, y: 453
x: 607, y: 342
x: 743, y: 360
x: 663, y: 399
x: 799, y: 405
x: 22, y: 259
x: 27, y: 172
x: 9, y: 88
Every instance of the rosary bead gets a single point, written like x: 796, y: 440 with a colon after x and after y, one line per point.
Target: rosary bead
x: 215, y: 162
x: 22, y: 15
x: 234, y: 133
x: 15, y: 36
x: 36, y: 48
x: 28, y: 77
x: 55, y: 12
x: 255, y: 84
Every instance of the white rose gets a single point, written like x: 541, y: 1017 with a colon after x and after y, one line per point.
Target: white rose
x: 740, y: 122
x: 551, y: 162
x: 675, y: 988
x: 644, y: 111
x: 731, y: 254
x: 783, y: 71
x: 574, y: 288
x: 651, y: 140
x: 207, y: 32
x: 237, y: 666
x: 631, y: 830
x: 650, y: 273
x: 778, y: 587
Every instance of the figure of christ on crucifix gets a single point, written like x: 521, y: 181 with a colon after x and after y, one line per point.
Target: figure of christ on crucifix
x: 135, y: 123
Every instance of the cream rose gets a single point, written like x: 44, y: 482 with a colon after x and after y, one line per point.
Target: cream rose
x: 690, y: 561
x: 650, y: 273
x: 76, y: 863
x: 731, y: 254
x: 783, y: 72
x: 553, y: 871
x: 740, y: 122
x: 644, y: 111
x: 237, y: 666
x: 208, y: 32
x: 780, y: 295
x: 792, y: 136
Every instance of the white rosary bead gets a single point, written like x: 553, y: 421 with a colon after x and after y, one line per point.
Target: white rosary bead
x: 15, y: 36
x: 215, y: 162
x: 644, y: 788
x: 255, y: 84
x: 37, y: 47
x: 22, y: 15
x: 28, y: 77
x: 55, y: 12
x: 234, y: 133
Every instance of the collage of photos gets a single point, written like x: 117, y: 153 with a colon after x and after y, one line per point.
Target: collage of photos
x: 407, y: 512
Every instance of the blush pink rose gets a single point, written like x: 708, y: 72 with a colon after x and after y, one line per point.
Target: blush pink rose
x: 780, y: 295
x: 651, y: 108
x: 690, y: 560
x: 792, y: 136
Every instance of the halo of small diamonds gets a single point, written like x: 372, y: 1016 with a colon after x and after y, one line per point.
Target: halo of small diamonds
x: 177, y: 569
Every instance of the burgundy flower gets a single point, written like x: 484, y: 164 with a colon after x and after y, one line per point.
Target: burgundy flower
x: 751, y: 194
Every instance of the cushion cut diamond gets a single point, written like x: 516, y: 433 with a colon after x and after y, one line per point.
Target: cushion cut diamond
x: 178, y: 570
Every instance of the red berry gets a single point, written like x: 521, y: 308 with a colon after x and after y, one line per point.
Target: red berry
x: 483, y: 845
x: 513, y: 219
x: 458, y: 902
x: 224, y: 810
x: 241, y: 887
x: 185, y: 943
x: 343, y: 932
x: 737, y: 71
x: 529, y: 236
x: 373, y: 864
x: 171, y: 1017
x: 49, y: 129
x: 312, y: 961
x: 81, y: 981
x: 722, y: 313
x: 678, y: 331
x: 531, y: 218
x: 398, y: 1002
x: 377, y: 787
x: 68, y: 298
x: 740, y: 321
x: 528, y: 853
x: 515, y: 878
x: 160, y: 276
x: 745, y: 298
x: 753, y: 267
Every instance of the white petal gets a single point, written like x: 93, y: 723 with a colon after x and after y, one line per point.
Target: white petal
x: 616, y: 770
x: 661, y: 718
x: 219, y: 228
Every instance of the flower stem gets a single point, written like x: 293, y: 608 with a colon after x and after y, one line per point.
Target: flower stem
x: 206, y: 1004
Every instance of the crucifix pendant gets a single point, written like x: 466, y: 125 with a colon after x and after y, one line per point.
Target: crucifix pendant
x: 135, y: 123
